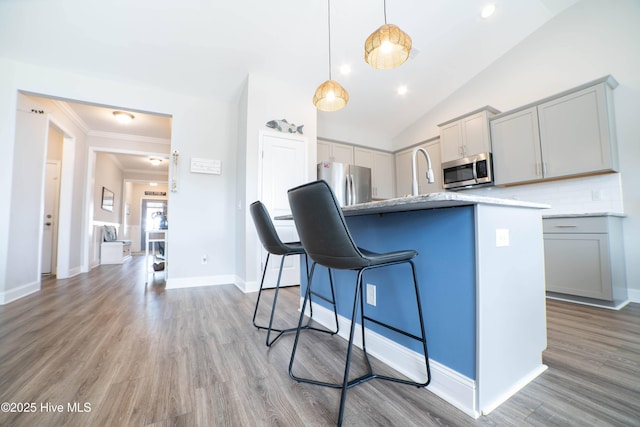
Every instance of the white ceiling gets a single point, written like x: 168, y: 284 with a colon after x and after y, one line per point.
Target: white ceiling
x: 100, y: 121
x: 208, y: 47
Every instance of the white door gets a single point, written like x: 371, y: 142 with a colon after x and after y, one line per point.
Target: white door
x: 50, y: 218
x: 283, y: 165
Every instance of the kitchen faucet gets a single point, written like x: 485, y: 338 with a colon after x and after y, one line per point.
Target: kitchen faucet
x: 414, y: 169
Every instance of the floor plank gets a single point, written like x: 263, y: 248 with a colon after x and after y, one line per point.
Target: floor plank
x: 140, y: 355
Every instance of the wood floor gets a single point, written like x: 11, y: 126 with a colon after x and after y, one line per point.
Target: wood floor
x: 130, y: 354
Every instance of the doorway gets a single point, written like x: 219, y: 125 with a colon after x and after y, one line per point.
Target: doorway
x: 64, y: 246
x: 49, y: 258
x: 153, y: 216
x: 282, y: 165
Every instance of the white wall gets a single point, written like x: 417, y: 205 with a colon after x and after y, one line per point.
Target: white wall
x: 201, y: 211
x: 24, y: 220
x: 265, y: 99
x: 587, y: 41
x: 329, y: 129
x: 107, y: 175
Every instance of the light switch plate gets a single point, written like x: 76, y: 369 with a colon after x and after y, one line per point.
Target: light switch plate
x: 502, y: 237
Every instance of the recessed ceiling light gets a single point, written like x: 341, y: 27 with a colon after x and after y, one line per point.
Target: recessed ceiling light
x: 155, y: 161
x: 123, y: 117
x: 153, y: 184
x: 487, y: 10
x: 345, y: 69
x: 402, y: 90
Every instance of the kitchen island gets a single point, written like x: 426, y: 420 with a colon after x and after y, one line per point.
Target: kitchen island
x: 480, y: 268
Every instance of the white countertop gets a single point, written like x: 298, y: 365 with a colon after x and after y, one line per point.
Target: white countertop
x: 429, y: 201
x: 580, y: 215
x: 434, y: 201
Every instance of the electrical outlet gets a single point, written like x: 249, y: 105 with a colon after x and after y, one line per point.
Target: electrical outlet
x: 371, y: 294
x: 204, y: 259
x: 502, y: 237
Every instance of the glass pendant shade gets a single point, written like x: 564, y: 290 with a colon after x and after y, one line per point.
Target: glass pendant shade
x: 330, y: 96
x: 387, y: 47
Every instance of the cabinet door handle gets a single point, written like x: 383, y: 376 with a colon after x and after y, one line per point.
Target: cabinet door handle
x: 566, y: 226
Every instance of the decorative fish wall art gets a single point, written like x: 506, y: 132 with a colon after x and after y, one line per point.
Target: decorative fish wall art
x: 284, y: 126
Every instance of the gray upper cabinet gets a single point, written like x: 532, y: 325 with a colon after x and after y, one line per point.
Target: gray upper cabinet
x: 577, y: 133
x: 466, y: 135
x: 381, y: 164
x: 570, y: 134
x: 334, y: 152
x: 382, y: 171
x: 517, y: 156
x: 404, y: 170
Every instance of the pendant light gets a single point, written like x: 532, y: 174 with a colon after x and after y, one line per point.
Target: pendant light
x: 388, y: 46
x: 330, y: 95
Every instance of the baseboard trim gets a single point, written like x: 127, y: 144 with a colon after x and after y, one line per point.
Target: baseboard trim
x: 246, y: 287
x: 19, y: 292
x: 514, y: 389
x: 69, y: 273
x: 634, y: 295
x: 453, y: 387
x: 195, y: 282
x: 610, y: 305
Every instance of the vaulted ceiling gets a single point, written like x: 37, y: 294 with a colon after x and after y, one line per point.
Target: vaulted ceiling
x: 208, y: 47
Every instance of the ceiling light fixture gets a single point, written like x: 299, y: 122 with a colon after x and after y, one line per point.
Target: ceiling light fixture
x: 123, y: 117
x: 487, y: 10
x: 345, y: 69
x: 402, y: 90
x: 387, y: 47
x: 155, y: 161
x: 330, y: 95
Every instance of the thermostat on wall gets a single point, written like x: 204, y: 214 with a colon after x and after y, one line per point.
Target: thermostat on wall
x: 209, y: 166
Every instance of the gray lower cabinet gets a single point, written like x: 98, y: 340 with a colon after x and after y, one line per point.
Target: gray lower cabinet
x: 584, y: 256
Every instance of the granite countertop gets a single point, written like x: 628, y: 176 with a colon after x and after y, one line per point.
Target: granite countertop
x: 584, y: 215
x: 429, y: 201
x: 433, y: 201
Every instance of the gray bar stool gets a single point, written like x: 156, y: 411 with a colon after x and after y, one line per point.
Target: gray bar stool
x: 325, y: 237
x: 273, y: 245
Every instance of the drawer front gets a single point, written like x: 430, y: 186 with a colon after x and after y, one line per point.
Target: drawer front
x: 595, y: 224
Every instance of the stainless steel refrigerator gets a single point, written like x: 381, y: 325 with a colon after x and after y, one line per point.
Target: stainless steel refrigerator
x: 350, y: 183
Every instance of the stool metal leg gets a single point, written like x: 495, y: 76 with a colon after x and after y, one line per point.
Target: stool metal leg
x: 307, y: 298
x: 273, y: 306
x: 270, y: 328
x: 264, y: 273
x: 358, y: 302
x: 345, y: 381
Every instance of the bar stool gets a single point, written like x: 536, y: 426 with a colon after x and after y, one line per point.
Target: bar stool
x: 273, y: 245
x: 326, y: 239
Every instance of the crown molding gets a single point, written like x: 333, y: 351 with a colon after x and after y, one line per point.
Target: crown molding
x: 146, y: 172
x: 71, y: 115
x: 128, y: 137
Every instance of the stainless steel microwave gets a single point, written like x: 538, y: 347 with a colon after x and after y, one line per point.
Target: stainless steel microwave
x: 472, y: 171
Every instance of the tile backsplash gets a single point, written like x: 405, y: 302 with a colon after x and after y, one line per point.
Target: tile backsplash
x: 592, y: 194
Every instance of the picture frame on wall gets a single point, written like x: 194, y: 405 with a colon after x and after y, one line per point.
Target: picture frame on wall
x: 107, y: 199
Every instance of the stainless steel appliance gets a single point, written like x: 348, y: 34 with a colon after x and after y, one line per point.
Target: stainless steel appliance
x: 472, y: 171
x: 350, y: 183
